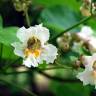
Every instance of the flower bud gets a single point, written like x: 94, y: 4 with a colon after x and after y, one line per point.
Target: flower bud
x: 21, y: 5
x: 64, y: 42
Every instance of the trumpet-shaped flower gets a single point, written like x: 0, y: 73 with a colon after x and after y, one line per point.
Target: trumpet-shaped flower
x: 86, y: 35
x: 88, y: 76
x: 33, y: 46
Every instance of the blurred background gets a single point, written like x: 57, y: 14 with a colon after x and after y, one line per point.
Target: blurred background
x: 57, y: 15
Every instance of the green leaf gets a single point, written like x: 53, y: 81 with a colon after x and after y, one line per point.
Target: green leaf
x: 7, y: 53
x: 8, y: 35
x: 91, y: 23
x: 46, y: 3
x: 58, y: 18
x: 43, y: 65
x: 69, y: 89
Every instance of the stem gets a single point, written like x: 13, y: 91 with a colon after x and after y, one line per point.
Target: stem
x: 1, y: 49
x: 14, y: 62
x: 43, y: 69
x: 63, y: 80
x: 91, y: 8
x: 27, y: 18
x: 15, y: 85
x: 59, y: 79
x: 72, y: 27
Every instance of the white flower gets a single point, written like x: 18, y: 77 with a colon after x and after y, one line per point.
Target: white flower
x: 33, y: 46
x: 85, y: 33
x: 88, y: 76
x: 92, y: 44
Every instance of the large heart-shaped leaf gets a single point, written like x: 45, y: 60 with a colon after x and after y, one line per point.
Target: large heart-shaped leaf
x: 58, y: 18
x: 7, y: 36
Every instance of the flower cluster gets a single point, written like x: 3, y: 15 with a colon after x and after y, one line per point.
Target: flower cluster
x: 33, y: 46
x: 88, y: 76
x: 34, y: 49
x: 86, y: 36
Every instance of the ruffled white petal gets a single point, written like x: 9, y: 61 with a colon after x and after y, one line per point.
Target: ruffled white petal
x: 24, y: 34
x: 30, y: 61
x: 92, y: 44
x: 85, y: 33
x: 87, y: 30
x: 18, y: 49
x: 88, y: 61
x: 86, y: 77
x: 42, y: 33
x: 49, y: 54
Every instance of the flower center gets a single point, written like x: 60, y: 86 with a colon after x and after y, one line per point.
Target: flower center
x: 94, y: 74
x: 33, y: 47
x: 94, y: 66
x: 94, y: 70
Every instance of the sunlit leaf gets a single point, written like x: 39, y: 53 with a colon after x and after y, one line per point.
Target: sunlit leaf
x: 8, y: 35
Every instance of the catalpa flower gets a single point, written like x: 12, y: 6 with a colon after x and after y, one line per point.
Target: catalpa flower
x: 92, y: 44
x: 88, y: 76
x: 86, y: 35
x: 33, y: 46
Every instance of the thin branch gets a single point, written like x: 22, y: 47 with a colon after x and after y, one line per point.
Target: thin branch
x: 72, y: 27
x: 55, y: 78
x: 1, y: 51
x: 27, y: 71
x: 91, y: 9
x: 27, y: 17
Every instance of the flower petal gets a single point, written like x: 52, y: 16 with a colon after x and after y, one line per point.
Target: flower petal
x: 86, y: 77
x: 85, y: 33
x: 24, y: 34
x: 49, y: 54
x: 18, y: 49
x: 30, y: 61
x: 92, y: 44
x: 42, y: 33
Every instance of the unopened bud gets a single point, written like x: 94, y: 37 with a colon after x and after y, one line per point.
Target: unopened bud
x: 64, y: 41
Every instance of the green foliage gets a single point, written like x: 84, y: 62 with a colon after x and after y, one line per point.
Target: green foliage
x: 8, y: 35
x: 69, y: 89
x: 47, y: 3
x: 58, y: 19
